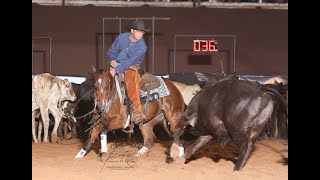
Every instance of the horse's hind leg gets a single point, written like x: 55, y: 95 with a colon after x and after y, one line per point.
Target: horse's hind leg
x: 177, y: 127
x: 148, y: 134
x: 91, y: 138
x: 176, y: 149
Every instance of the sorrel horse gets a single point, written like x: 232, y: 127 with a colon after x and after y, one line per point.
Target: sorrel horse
x: 113, y: 115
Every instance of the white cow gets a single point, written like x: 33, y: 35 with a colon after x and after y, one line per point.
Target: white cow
x: 187, y: 91
x: 48, y: 93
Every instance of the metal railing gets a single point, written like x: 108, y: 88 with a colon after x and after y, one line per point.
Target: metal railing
x: 271, y: 4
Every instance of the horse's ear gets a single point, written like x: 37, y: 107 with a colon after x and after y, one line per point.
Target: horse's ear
x: 94, y: 69
x: 107, y: 69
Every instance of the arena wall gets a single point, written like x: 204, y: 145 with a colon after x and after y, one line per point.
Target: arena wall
x: 76, y: 31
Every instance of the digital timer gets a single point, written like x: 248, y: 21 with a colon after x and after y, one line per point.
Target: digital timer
x: 204, y: 46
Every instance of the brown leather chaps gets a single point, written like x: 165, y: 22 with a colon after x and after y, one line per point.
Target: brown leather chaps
x: 132, y: 80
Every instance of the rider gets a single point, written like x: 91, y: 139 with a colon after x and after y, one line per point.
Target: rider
x: 126, y: 55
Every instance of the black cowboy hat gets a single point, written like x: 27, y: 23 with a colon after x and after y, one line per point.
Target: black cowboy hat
x: 138, y: 25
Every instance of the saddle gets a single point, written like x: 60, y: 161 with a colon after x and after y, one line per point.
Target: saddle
x: 149, y: 81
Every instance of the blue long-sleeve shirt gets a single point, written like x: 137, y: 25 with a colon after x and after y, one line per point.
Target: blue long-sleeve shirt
x: 127, y: 53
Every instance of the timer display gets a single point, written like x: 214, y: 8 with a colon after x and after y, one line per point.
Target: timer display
x: 204, y: 46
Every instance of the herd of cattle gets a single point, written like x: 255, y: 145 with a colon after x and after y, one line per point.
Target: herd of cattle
x: 224, y: 107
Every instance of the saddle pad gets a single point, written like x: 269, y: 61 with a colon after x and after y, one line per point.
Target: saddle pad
x: 162, y: 89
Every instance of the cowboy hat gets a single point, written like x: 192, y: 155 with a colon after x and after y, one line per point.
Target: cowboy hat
x: 139, y: 25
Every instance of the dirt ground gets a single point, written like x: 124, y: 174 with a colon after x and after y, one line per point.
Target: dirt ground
x: 56, y: 161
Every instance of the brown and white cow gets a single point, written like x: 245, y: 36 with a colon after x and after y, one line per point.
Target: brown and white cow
x: 68, y: 122
x: 48, y: 93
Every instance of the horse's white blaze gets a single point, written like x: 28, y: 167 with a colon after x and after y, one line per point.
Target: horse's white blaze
x: 81, y: 154
x: 100, y: 83
x: 103, y: 142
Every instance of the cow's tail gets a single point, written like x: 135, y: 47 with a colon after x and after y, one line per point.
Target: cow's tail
x: 263, y: 104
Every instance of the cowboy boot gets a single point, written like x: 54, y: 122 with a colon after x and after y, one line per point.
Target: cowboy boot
x: 132, y: 80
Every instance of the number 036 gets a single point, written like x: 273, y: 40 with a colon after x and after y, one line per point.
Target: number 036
x: 204, y: 45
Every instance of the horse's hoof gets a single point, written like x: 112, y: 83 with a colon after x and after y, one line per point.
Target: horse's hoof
x: 143, y: 151
x: 54, y: 139
x: 103, y: 156
x: 176, y: 151
x: 169, y: 160
x: 59, y: 140
x: 81, y: 153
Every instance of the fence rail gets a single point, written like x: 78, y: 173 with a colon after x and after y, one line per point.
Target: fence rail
x: 280, y: 4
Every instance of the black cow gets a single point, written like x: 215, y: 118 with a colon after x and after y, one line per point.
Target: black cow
x: 85, y: 105
x: 229, y: 110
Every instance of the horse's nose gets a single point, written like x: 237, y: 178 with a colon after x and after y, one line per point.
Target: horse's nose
x: 100, y: 106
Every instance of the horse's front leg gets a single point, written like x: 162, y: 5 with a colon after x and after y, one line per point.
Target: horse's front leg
x: 103, y: 142
x: 91, y: 138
